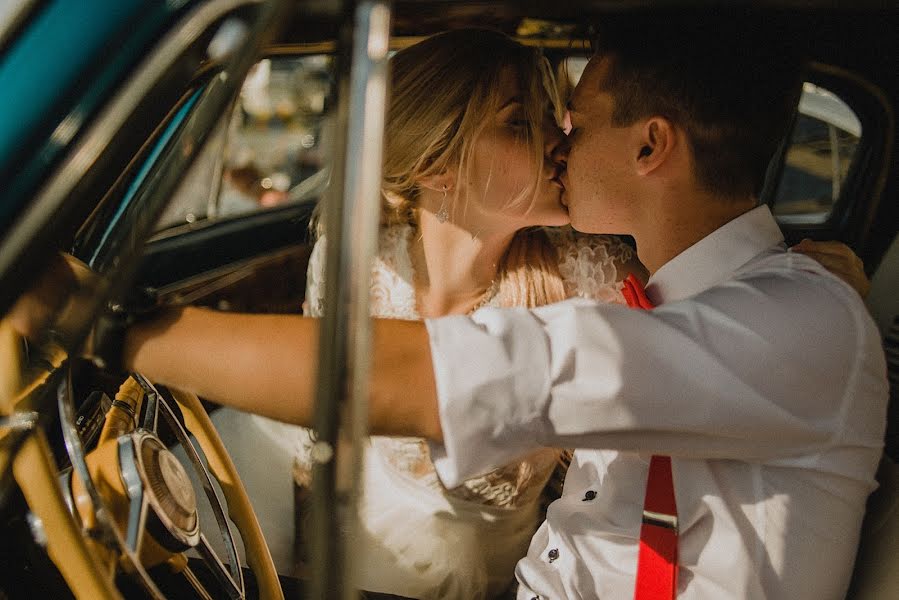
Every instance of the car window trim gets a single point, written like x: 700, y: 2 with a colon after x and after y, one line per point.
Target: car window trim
x: 872, y: 108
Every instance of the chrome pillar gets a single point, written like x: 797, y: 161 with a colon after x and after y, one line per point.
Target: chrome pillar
x: 351, y: 222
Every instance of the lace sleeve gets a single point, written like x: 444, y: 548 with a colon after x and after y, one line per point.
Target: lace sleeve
x: 314, y: 306
x: 592, y: 266
x: 392, y: 292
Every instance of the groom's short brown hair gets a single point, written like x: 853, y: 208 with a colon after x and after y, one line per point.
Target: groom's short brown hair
x: 730, y: 81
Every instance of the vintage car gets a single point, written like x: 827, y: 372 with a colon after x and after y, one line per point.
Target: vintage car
x: 179, y: 149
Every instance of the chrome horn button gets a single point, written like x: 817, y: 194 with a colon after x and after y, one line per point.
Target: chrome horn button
x: 177, y: 483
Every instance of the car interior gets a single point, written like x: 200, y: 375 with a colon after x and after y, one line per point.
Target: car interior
x: 188, y: 169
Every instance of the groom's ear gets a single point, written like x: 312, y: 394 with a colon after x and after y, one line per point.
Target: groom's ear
x: 657, y: 140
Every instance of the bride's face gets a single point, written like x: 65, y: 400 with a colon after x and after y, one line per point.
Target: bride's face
x: 501, y: 174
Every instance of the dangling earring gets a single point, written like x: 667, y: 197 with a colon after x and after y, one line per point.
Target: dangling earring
x: 443, y: 213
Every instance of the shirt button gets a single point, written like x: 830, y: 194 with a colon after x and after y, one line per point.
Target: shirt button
x: 590, y: 495
x: 553, y: 554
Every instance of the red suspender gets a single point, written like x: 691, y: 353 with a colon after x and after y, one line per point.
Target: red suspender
x: 657, y: 563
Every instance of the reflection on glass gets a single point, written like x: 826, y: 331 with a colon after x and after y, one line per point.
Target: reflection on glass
x: 271, y: 150
x: 275, y: 150
x: 822, y: 146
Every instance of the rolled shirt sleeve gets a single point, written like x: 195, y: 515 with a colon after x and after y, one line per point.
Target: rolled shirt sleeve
x: 493, y: 393
x: 714, y: 376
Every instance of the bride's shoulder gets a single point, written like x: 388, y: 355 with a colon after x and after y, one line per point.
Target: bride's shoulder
x: 392, y: 291
x: 590, y: 247
x: 391, y: 259
x: 393, y: 246
x: 591, y: 265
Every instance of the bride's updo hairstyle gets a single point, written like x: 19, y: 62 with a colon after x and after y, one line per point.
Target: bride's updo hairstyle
x: 443, y: 91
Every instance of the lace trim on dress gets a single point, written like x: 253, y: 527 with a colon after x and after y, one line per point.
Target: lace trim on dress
x: 589, y: 263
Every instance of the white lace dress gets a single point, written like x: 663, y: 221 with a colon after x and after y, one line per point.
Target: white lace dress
x: 420, y: 539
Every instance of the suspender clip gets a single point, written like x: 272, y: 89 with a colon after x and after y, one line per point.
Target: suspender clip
x: 660, y: 520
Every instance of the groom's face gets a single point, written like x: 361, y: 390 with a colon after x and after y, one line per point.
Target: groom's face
x: 599, y: 184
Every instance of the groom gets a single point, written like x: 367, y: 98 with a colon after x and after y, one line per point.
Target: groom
x: 758, y: 373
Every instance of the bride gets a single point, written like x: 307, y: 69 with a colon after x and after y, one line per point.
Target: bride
x: 470, y: 176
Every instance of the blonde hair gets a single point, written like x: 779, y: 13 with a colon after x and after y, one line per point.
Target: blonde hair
x: 442, y: 91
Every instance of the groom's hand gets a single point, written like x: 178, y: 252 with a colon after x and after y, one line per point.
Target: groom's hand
x: 839, y: 259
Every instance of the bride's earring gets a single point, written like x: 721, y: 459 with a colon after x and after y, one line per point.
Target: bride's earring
x: 443, y: 213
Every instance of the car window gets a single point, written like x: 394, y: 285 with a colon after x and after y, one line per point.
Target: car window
x: 269, y: 151
x: 820, y: 151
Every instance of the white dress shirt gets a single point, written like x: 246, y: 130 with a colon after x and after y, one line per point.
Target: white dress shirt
x: 760, y: 373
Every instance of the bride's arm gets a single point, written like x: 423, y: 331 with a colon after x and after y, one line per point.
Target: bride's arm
x: 267, y: 364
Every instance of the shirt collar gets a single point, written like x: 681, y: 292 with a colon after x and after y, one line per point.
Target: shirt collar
x: 715, y: 257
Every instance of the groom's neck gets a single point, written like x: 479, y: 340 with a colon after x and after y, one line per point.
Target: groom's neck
x: 680, y: 221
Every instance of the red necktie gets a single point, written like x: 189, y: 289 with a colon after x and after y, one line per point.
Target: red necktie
x: 657, y: 563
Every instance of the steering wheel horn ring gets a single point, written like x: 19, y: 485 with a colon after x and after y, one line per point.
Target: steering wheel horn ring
x: 136, y: 499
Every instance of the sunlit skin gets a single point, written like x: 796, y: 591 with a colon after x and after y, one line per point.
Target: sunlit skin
x: 615, y: 186
x: 457, y: 261
x: 497, y: 194
x: 599, y: 178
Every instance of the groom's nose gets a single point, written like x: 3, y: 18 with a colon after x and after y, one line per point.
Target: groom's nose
x: 559, y: 152
x: 566, y: 122
x: 555, y: 143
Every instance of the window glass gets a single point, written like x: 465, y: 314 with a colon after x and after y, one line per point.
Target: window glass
x: 199, y: 189
x: 269, y: 151
x: 821, y: 148
x: 275, y: 148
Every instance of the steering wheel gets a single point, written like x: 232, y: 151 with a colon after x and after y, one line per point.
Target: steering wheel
x: 129, y: 504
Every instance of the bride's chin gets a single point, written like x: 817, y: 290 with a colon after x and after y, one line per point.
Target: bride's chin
x: 549, y: 213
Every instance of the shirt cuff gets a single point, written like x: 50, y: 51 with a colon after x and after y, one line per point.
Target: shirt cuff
x: 492, y: 372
